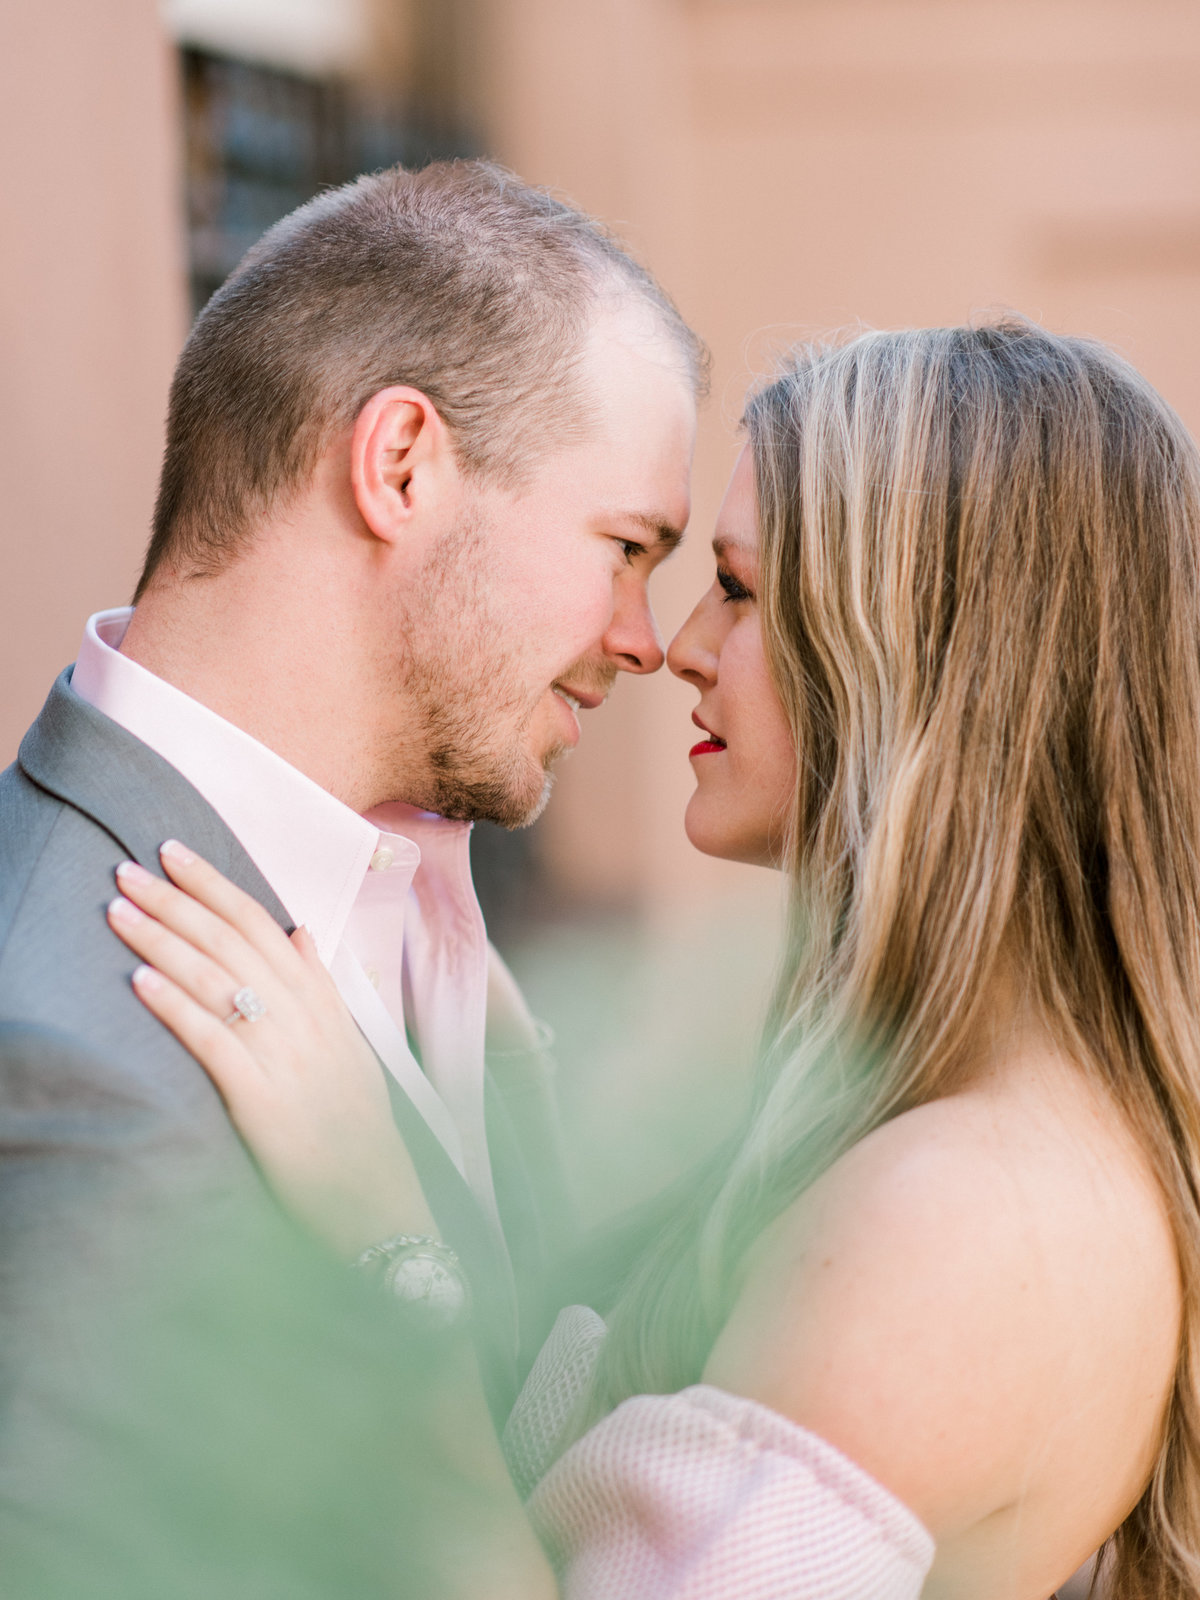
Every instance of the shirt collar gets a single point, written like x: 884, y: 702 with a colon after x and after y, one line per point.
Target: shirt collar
x: 312, y: 849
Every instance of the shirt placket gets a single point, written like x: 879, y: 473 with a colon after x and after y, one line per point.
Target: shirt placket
x: 447, y: 972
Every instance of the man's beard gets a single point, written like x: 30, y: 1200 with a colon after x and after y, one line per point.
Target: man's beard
x: 472, y: 781
x: 463, y: 685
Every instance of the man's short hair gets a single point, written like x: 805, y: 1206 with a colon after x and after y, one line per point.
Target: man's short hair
x: 457, y: 279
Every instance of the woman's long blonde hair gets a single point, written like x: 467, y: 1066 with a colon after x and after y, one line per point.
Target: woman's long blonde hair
x: 980, y: 598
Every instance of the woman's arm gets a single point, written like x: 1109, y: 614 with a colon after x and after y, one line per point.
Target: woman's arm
x: 307, y: 1094
x: 978, y: 1305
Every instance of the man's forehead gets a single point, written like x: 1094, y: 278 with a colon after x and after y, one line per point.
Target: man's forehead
x: 636, y: 375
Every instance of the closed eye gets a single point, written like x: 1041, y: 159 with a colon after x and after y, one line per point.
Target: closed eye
x: 733, y: 589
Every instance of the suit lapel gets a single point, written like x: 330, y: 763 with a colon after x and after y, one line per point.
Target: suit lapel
x: 89, y: 762
x: 84, y: 758
x: 463, y: 1224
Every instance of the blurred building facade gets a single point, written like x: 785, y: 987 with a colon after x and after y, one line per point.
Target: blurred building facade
x: 92, y: 313
x: 786, y: 166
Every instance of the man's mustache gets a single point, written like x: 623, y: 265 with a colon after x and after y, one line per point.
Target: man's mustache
x: 589, y: 678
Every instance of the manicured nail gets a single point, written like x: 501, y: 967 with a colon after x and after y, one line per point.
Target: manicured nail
x: 147, y: 978
x: 131, y: 872
x: 123, y: 910
x: 179, y: 853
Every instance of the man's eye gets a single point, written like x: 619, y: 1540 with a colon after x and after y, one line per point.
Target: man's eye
x: 733, y: 589
x: 630, y: 548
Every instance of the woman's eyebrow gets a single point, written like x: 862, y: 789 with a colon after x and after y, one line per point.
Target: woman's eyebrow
x: 723, y: 546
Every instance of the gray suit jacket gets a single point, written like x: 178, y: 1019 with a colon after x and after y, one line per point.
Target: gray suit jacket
x: 106, y: 1122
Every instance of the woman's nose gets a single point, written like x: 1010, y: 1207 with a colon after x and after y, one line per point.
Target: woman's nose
x: 691, y: 655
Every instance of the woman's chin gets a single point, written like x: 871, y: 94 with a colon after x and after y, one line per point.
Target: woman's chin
x: 716, y: 835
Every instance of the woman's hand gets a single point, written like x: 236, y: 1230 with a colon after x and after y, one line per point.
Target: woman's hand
x: 301, y: 1084
x: 308, y: 1096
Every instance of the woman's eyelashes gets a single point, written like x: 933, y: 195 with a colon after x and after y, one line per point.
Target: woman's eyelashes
x: 734, y: 590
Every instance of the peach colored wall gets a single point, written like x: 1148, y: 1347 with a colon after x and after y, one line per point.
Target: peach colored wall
x: 788, y: 166
x: 92, y: 312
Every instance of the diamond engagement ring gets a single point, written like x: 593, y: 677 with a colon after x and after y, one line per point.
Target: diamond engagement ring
x: 247, y: 1007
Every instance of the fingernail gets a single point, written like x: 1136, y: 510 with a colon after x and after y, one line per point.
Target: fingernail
x: 147, y: 978
x: 133, y: 873
x: 174, y: 851
x: 124, y: 910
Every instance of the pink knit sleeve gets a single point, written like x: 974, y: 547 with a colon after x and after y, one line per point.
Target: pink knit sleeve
x: 703, y: 1495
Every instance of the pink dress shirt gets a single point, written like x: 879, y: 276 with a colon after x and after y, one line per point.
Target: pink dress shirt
x: 388, y: 896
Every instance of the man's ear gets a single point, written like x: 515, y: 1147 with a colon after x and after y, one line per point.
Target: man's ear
x: 401, y: 460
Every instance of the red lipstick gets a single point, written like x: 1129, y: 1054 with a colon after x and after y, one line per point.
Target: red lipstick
x: 708, y: 746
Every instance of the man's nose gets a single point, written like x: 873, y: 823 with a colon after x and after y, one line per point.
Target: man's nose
x: 633, y: 640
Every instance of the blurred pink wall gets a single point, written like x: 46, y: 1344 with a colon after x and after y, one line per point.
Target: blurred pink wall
x: 787, y: 166
x: 92, y: 313
x: 790, y: 166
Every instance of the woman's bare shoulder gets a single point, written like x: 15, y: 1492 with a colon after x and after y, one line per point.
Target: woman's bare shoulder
x: 978, y: 1284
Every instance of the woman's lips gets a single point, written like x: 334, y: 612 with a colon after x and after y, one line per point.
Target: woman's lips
x: 708, y: 746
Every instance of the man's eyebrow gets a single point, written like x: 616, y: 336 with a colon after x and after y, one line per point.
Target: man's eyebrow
x: 663, y: 532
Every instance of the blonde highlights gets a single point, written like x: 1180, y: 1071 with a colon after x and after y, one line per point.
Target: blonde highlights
x: 980, y: 597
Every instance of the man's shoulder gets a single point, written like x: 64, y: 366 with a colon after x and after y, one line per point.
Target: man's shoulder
x: 56, y: 862
x: 65, y: 996
x: 84, y: 795
x: 27, y: 817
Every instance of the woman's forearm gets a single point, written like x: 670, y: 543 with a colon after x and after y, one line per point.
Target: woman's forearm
x: 489, y: 1550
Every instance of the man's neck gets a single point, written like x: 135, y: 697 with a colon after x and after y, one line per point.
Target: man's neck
x: 282, y: 673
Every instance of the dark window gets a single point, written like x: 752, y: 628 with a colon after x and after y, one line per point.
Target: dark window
x: 260, y: 141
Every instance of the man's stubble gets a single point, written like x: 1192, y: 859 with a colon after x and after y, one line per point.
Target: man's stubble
x: 470, y: 709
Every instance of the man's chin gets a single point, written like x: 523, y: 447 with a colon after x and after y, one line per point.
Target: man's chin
x: 535, y: 811
x: 522, y: 812
x: 509, y: 803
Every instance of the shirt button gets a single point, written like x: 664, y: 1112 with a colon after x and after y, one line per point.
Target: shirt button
x: 382, y: 859
x: 373, y: 976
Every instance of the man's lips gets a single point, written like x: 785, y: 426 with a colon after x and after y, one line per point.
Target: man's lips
x: 588, y: 699
x: 576, y: 700
x: 571, y: 706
